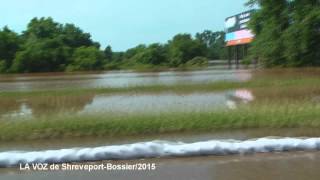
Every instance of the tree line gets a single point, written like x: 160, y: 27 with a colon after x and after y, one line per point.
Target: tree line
x: 287, y: 32
x: 48, y: 46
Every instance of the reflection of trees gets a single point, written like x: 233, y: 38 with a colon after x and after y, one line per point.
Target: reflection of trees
x: 48, y: 105
x: 45, y: 105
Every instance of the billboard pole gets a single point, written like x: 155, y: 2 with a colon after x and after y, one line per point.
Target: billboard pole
x: 229, y: 57
x: 238, y: 37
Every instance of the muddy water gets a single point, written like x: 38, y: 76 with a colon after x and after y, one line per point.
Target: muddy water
x: 130, y: 102
x: 138, y: 102
x: 51, y: 81
x: 161, y: 102
x: 146, y: 102
x: 286, y: 166
x: 119, y: 103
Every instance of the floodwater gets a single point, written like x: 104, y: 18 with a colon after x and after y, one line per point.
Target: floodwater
x: 114, y: 103
x: 136, y: 102
x: 117, y: 103
x: 52, y: 81
x: 265, y: 166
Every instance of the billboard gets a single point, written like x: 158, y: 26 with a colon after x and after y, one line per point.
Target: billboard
x: 237, y: 31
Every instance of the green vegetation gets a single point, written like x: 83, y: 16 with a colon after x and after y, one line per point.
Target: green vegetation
x: 258, y: 115
x: 48, y: 46
x: 182, y: 51
x: 86, y: 58
x: 283, y: 100
x: 287, y: 33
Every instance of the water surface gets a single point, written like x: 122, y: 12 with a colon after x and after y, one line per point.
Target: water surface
x: 285, y: 166
x: 129, y: 103
x: 52, y: 81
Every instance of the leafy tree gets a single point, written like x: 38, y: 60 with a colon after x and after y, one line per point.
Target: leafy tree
x: 303, y: 36
x: 49, y: 46
x: 42, y: 28
x: 198, y: 62
x: 154, y: 54
x: 2, y: 66
x: 134, y: 51
x: 269, y: 23
x: 47, y: 28
x: 183, y: 48
x: 117, y: 56
x: 74, y: 37
x: 42, y: 56
x: 287, y: 32
x: 86, y: 58
x: 108, y: 53
x: 215, y: 43
x: 207, y: 37
x: 9, y: 45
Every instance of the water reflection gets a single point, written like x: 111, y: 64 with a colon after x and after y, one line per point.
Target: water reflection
x: 130, y: 103
x: 241, y: 96
x: 120, y: 103
x: 29, y: 82
x: 149, y: 102
x: 43, y: 105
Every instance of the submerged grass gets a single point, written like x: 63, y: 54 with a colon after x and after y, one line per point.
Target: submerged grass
x: 282, y: 101
x: 262, y: 115
x: 264, y: 82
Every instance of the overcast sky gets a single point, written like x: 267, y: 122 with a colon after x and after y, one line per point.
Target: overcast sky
x: 125, y: 23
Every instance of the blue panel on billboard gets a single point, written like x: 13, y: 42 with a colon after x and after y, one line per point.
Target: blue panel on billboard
x: 237, y: 30
x: 230, y: 36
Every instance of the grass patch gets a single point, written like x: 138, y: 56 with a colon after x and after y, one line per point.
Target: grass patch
x: 262, y: 115
x: 283, y: 100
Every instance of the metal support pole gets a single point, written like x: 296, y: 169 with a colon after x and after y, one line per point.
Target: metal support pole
x: 229, y: 57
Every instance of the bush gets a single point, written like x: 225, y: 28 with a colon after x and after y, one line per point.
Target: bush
x: 2, y: 66
x: 198, y: 62
x: 41, y: 56
x: 86, y: 58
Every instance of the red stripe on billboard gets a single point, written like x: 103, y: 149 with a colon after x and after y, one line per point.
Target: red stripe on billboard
x: 239, y: 41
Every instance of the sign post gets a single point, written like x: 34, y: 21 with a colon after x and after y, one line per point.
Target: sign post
x: 238, y: 36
